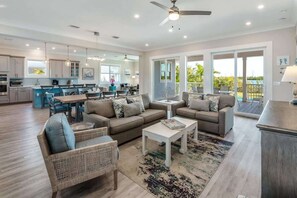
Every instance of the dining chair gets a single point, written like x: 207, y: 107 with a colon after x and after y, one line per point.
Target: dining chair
x: 83, y: 90
x: 122, y: 93
x: 55, y: 106
x: 44, y: 90
x: 93, y: 96
x: 69, y: 91
x: 108, y: 94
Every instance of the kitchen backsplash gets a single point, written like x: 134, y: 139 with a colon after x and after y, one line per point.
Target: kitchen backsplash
x: 45, y: 81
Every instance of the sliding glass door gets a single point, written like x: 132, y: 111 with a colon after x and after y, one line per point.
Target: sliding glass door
x: 240, y: 73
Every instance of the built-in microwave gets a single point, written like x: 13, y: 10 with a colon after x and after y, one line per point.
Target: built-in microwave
x: 3, y: 78
x: 3, y: 85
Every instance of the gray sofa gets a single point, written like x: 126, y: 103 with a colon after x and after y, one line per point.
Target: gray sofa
x: 219, y: 123
x: 102, y: 114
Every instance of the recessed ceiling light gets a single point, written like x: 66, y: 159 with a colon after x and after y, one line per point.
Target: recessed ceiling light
x: 104, y: 54
x: 53, y: 48
x: 2, y: 6
x: 260, y: 7
x: 185, y: 36
x: 248, y: 23
x: 74, y: 51
x: 146, y: 45
x: 136, y: 16
x: 170, y: 30
x: 27, y: 45
x: 283, y: 11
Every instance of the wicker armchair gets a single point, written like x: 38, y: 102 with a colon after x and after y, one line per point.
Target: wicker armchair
x: 76, y: 166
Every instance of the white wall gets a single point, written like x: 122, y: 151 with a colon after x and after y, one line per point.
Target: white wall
x: 283, y: 43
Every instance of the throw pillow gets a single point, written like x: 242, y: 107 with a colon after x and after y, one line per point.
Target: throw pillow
x: 118, y: 107
x: 132, y: 109
x: 214, y: 102
x: 100, y: 107
x: 199, y: 105
x: 146, y: 100
x: 194, y: 96
x: 59, y: 134
x: 136, y: 99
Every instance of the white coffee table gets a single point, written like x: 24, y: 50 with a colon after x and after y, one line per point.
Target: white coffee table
x: 160, y: 133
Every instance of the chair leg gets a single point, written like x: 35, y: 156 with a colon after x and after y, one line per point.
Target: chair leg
x: 54, y: 194
x: 115, y: 177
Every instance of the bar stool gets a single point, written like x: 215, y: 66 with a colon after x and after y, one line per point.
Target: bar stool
x: 78, y: 85
x: 44, y: 90
x: 91, y: 85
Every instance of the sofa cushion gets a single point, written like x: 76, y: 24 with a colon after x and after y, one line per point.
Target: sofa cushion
x: 225, y: 100
x: 94, y: 141
x: 151, y: 115
x: 100, y: 107
x: 138, y: 98
x: 194, y: 96
x: 214, y: 102
x: 124, y: 124
x: 118, y: 106
x: 199, y: 105
x: 186, y: 112
x: 132, y: 109
x: 208, y: 116
x: 59, y: 134
x: 186, y: 96
x: 146, y: 100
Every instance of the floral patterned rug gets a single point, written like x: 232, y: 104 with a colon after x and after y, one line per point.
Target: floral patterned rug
x: 188, y: 174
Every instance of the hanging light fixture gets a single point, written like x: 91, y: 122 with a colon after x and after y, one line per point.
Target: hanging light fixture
x: 87, y: 64
x: 67, y: 63
x: 45, y: 54
x: 126, y: 59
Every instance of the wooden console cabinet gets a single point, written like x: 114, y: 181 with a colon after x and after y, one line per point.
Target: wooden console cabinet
x: 278, y: 125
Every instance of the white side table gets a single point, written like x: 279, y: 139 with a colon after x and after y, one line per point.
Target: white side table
x: 169, y: 104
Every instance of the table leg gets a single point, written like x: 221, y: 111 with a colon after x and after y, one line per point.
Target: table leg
x: 196, y: 133
x: 168, y: 153
x: 77, y: 112
x: 69, y: 113
x: 184, y: 144
x: 144, y: 143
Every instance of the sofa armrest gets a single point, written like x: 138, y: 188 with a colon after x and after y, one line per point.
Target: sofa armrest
x: 226, y: 120
x: 174, y: 107
x: 156, y: 105
x: 90, y: 134
x: 98, y: 120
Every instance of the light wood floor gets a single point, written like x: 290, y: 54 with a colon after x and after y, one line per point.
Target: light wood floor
x: 23, y: 173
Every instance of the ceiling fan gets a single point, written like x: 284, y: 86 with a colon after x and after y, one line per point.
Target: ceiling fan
x: 174, y: 12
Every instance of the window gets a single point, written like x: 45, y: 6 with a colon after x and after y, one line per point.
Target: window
x: 36, y: 68
x: 109, y: 71
x: 195, y: 73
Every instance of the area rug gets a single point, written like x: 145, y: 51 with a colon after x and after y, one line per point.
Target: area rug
x: 188, y: 174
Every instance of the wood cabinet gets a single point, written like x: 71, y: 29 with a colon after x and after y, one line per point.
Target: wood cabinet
x: 58, y: 69
x: 17, y: 67
x: 20, y: 94
x: 4, y: 63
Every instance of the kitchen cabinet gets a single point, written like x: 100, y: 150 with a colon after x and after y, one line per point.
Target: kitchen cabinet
x: 74, y: 69
x: 20, y: 94
x: 66, y: 71
x: 4, y: 63
x: 58, y: 69
x: 17, y: 67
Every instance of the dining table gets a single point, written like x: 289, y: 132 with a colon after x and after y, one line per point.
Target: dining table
x: 72, y: 99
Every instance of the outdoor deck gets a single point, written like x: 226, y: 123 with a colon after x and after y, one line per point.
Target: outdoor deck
x: 250, y: 107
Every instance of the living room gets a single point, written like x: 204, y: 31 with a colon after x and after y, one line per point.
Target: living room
x: 222, y: 74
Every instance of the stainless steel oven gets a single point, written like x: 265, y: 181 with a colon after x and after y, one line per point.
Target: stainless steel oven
x: 3, y: 85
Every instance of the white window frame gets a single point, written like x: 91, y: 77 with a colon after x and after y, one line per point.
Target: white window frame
x: 110, y: 74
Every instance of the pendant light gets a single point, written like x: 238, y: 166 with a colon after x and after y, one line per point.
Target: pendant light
x: 45, y: 54
x: 67, y: 63
x: 125, y: 59
x: 87, y: 64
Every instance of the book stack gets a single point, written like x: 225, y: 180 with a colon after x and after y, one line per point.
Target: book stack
x: 173, y: 124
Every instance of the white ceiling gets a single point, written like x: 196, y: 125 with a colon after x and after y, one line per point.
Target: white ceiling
x: 115, y: 18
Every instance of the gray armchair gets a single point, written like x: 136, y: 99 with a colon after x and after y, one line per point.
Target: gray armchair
x: 85, y: 162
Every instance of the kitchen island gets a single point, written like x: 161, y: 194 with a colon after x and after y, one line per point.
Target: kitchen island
x: 278, y: 125
x: 37, y: 96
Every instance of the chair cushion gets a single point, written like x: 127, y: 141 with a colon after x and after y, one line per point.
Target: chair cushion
x: 132, y: 109
x: 59, y: 134
x: 118, y: 106
x: 100, y: 107
x: 124, y: 124
x: 199, y: 105
x: 151, y: 115
x: 94, y: 141
x: 61, y: 108
x: 208, y: 116
x: 146, y: 100
x: 186, y: 112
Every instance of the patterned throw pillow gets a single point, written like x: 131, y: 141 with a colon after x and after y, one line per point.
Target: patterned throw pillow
x: 214, y: 102
x: 136, y: 99
x: 195, y: 97
x: 118, y: 107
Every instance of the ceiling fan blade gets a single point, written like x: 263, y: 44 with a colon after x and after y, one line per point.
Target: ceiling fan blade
x: 164, y: 21
x: 160, y: 5
x: 192, y: 12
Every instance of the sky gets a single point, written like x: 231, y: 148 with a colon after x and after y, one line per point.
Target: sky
x: 255, y: 66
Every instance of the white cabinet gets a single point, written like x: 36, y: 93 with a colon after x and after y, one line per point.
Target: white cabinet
x: 17, y: 67
x: 58, y: 69
x: 4, y: 63
x: 74, y: 69
x: 20, y: 94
